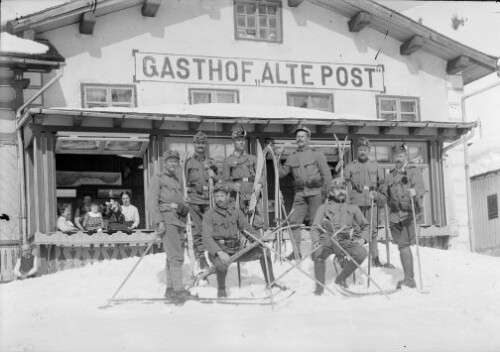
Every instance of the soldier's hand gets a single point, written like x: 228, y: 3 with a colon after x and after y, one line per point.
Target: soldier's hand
x: 373, y: 194
x: 412, y: 192
x: 223, y: 256
x: 339, y: 165
x: 237, y: 187
x: 161, y: 226
x: 211, y: 173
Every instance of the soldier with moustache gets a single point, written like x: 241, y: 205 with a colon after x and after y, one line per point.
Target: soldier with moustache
x: 221, y: 228
x: 403, y: 183
x: 365, y: 177
x: 332, y: 216
x: 168, y: 209
x: 312, y: 178
x: 199, y: 169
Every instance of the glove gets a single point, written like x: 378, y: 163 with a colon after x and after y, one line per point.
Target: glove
x: 412, y: 192
x: 373, y: 195
x: 183, y: 210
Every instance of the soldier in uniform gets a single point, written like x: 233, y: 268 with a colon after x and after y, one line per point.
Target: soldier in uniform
x: 401, y: 184
x: 167, y: 206
x: 365, y: 177
x: 331, y: 216
x: 221, y: 226
x: 238, y: 171
x: 312, y: 180
x: 199, y: 169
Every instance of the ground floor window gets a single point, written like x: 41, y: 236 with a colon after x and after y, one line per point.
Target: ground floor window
x: 206, y: 96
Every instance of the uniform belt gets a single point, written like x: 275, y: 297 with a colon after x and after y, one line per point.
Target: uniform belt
x: 244, y: 179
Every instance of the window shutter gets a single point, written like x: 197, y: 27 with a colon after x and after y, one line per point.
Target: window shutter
x: 492, y: 201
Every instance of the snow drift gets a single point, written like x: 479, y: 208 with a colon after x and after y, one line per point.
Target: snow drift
x: 60, y: 312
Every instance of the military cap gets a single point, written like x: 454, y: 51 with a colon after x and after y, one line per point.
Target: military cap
x: 200, y: 137
x: 363, y: 142
x: 25, y: 247
x: 302, y: 128
x: 338, y: 182
x: 221, y: 186
x: 239, y: 132
x: 399, y: 148
x: 172, y: 154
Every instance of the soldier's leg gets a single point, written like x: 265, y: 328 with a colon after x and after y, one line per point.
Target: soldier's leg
x: 358, y: 254
x: 319, y: 258
x: 404, y: 235
x: 221, y: 272
x: 297, y: 217
x: 197, y: 212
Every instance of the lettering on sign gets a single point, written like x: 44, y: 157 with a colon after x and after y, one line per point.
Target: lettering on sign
x: 174, y: 68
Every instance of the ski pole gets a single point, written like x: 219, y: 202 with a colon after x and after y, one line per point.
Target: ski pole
x: 387, y: 231
x: 238, y: 267
x: 158, y: 234
x: 268, y: 272
x: 370, y: 241
x: 417, y: 237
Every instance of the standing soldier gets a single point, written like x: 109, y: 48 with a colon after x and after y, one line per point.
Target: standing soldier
x: 199, y: 169
x: 332, y: 216
x: 167, y: 207
x: 221, y: 227
x: 365, y: 177
x: 312, y: 181
x: 238, y: 171
x: 401, y: 184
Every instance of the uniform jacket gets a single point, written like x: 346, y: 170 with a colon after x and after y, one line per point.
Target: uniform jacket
x: 223, y: 224
x: 395, y: 190
x: 236, y: 169
x: 165, y: 189
x: 363, y: 176
x: 342, y: 214
x: 197, y: 178
x: 308, y: 165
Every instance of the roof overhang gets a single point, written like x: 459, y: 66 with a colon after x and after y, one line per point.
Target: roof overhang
x: 263, y: 119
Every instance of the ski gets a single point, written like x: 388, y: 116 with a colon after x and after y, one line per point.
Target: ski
x: 246, y: 301
x: 351, y: 293
x: 266, y: 297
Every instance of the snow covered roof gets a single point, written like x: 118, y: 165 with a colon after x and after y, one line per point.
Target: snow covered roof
x: 14, y: 45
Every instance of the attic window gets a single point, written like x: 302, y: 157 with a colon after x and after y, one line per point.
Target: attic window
x: 258, y: 20
x: 102, y: 95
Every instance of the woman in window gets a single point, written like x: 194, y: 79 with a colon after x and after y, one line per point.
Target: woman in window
x: 129, y: 211
x: 64, y: 223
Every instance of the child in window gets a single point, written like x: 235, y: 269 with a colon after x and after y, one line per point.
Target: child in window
x: 27, y: 264
x: 93, y: 220
x: 63, y: 222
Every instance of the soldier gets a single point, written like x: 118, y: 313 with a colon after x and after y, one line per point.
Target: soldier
x: 168, y: 207
x: 221, y: 226
x: 401, y: 184
x: 238, y: 171
x: 199, y: 169
x: 331, y: 216
x: 365, y: 177
x: 312, y: 180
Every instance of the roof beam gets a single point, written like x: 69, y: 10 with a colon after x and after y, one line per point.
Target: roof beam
x: 150, y: 7
x: 194, y: 126
x: 260, y: 127
x: 87, y: 23
x: 359, y: 21
x: 77, y: 120
x: 457, y: 65
x: 353, y: 129
x: 294, y: 3
x: 411, y: 45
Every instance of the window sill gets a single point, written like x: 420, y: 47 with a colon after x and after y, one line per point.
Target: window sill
x: 83, y: 239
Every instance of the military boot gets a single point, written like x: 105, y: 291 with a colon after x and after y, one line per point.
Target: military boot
x: 345, y: 273
x: 182, y: 296
x: 202, y: 261
x: 407, y: 262
x: 168, y: 292
x: 221, y: 293
x: 319, y: 274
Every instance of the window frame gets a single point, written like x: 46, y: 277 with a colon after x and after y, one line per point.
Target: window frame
x: 309, y: 95
x: 108, y: 88
x: 399, y: 99
x: 235, y: 92
x: 279, y: 19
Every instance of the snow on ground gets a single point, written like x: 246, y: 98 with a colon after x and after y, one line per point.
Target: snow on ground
x: 60, y: 312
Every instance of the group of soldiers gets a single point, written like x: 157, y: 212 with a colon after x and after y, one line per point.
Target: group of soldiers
x: 340, y: 209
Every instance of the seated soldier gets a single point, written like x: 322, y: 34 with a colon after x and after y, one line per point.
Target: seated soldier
x: 27, y: 264
x: 330, y: 217
x: 220, y: 231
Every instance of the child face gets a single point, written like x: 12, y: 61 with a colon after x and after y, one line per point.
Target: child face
x: 94, y: 208
x: 67, y: 213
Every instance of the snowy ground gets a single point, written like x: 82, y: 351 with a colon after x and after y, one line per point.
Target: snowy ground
x: 60, y: 312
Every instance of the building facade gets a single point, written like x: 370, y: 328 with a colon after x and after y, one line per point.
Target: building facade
x: 136, y: 71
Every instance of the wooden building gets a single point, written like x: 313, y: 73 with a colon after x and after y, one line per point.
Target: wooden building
x: 142, y: 76
x: 485, y: 189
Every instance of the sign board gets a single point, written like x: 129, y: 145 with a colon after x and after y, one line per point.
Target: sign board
x: 174, y: 68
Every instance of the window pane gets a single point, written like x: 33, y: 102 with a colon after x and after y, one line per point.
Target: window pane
x: 201, y: 98
x: 251, y: 9
x: 225, y: 97
x: 242, y: 33
x: 240, y: 8
x: 121, y: 95
x: 251, y: 33
x: 241, y: 21
x: 273, y: 22
x: 299, y: 101
x: 388, y: 105
x: 96, y: 105
x: 408, y: 117
x: 262, y: 21
x: 408, y: 106
x: 79, y: 145
x: 272, y: 10
x: 262, y: 9
x: 251, y: 21
x: 123, y: 146
x: 96, y: 94
x: 389, y: 116
x: 273, y: 35
x: 321, y: 103
x: 383, y: 154
x: 416, y: 155
x: 263, y: 34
